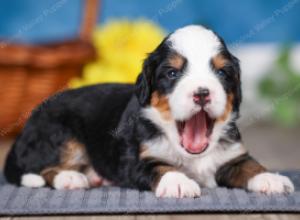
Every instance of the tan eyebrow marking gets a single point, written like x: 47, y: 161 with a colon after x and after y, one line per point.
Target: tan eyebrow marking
x: 219, y: 61
x: 176, y: 61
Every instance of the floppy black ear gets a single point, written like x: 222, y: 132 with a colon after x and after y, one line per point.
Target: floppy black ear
x: 237, y: 89
x: 237, y: 71
x: 145, y: 80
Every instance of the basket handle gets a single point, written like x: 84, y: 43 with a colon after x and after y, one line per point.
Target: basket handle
x: 89, y: 19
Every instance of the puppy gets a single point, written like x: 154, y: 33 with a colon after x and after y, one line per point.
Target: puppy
x: 172, y: 132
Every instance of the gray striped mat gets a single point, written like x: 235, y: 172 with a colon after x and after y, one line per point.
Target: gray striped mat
x: 113, y: 200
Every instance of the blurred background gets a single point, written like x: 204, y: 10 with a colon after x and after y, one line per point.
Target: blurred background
x: 50, y: 45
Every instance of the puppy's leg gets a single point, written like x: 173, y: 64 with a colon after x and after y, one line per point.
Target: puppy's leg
x: 245, y: 172
x: 177, y: 185
x: 70, y: 179
x: 63, y: 178
x: 74, y: 170
x: 165, y: 180
x: 75, y: 177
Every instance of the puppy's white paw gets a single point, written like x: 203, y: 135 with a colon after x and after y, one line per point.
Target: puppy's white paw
x: 177, y: 185
x: 269, y: 183
x: 69, y: 179
x: 32, y: 180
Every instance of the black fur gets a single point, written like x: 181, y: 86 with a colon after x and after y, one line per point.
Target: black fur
x: 92, y: 116
x: 232, y: 82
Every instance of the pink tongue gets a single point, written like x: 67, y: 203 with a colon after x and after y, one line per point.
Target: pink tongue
x: 194, y: 137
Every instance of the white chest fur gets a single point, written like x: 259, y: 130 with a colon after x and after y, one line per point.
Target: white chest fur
x: 201, y: 168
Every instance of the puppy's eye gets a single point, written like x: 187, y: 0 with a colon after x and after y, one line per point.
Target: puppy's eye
x: 221, y: 73
x: 173, y: 74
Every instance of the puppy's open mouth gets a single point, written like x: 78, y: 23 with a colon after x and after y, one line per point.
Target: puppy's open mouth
x: 195, y: 133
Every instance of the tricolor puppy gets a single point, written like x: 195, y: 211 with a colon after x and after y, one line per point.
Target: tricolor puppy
x: 172, y: 132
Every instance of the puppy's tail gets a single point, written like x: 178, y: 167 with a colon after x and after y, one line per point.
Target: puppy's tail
x: 15, y: 173
x: 12, y: 171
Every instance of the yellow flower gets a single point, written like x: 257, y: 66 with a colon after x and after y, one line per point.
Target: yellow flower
x: 122, y: 46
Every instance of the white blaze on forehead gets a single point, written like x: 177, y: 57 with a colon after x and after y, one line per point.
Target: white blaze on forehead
x: 196, y: 43
x: 199, y: 46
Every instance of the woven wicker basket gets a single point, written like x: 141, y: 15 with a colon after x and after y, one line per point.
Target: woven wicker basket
x: 30, y: 73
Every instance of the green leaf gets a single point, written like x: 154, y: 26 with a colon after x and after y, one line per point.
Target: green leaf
x: 285, y: 112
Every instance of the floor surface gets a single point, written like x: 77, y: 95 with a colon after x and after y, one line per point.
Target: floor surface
x: 276, y: 148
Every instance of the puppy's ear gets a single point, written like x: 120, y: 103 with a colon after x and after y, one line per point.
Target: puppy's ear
x: 144, y: 83
x: 237, y: 89
x: 237, y: 78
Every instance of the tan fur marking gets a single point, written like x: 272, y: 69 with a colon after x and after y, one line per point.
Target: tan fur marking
x: 219, y: 61
x: 73, y: 153
x: 246, y: 171
x: 49, y: 173
x: 73, y: 157
x: 161, y: 104
x: 144, y: 152
x: 176, y: 61
x: 228, y: 109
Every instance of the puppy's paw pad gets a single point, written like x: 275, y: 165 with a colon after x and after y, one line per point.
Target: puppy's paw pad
x: 177, y: 185
x: 70, y: 180
x: 270, y: 183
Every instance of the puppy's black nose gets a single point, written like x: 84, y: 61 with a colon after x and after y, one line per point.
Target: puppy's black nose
x: 203, y: 92
x: 201, y: 97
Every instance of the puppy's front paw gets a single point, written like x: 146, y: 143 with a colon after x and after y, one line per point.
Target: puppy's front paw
x: 69, y: 179
x: 177, y: 185
x: 269, y: 183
